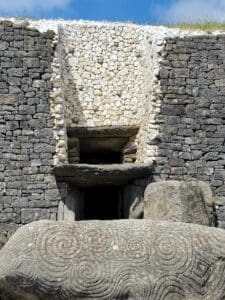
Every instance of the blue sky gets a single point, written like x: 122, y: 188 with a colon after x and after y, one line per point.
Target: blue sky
x: 138, y: 11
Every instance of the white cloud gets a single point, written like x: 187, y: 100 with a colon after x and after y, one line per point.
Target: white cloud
x: 192, y: 10
x: 25, y: 7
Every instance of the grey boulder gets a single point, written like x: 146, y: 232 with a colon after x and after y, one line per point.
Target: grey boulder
x: 124, y: 259
x: 179, y: 201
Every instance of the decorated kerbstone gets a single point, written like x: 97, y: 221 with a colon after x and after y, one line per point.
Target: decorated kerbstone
x: 124, y: 259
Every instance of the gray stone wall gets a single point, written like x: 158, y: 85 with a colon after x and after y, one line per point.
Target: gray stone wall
x: 170, y: 83
x: 191, y: 116
x: 27, y: 189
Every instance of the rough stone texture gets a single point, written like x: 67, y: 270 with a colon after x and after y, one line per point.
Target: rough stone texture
x: 98, y: 65
x: 101, y: 78
x: 136, y: 210
x: 189, y: 202
x: 105, y: 131
x: 133, y: 198
x: 189, y: 126
x: 73, y: 150
x: 57, y: 75
x: 138, y: 259
x: 92, y: 175
x: 27, y: 142
x: 6, y: 231
x: 88, y: 140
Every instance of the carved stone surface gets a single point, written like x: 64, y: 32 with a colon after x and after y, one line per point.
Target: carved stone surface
x: 129, y: 259
x: 181, y: 201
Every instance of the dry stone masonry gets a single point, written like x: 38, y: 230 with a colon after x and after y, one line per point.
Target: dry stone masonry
x: 190, y: 139
x: 111, y: 121
x: 59, y: 77
x: 26, y: 128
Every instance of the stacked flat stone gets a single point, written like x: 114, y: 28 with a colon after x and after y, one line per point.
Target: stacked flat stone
x: 27, y: 144
x: 190, y: 137
x: 73, y: 150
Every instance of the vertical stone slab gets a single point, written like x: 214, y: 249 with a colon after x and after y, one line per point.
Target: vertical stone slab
x: 71, y: 208
x: 60, y: 212
x: 179, y: 201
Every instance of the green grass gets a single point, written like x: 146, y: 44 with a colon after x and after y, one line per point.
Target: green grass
x: 207, y: 26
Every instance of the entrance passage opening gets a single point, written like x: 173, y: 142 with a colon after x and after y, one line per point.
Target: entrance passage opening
x: 102, y: 145
x: 102, y: 203
x: 105, y: 150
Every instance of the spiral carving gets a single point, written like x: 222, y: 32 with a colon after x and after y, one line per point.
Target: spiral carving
x: 126, y: 283
x: 169, y: 288
x: 172, y: 252
x: 98, y: 240
x: 56, y: 248
x: 116, y: 260
x: 88, y: 277
x: 136, y: 249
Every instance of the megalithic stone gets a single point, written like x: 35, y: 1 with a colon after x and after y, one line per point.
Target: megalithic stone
x: 123, y: 259
x: 179, y: 201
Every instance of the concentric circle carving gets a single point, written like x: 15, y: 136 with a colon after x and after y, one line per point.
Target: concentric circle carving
x: 172, y: 252
x: 88, y: 278
x: 130, y: 281
x: 56, y: 248
x: 98, y: 240
x: 169, y: 288
x: 137, y: 249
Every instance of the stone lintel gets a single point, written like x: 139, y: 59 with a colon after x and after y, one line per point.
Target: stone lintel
x: 111, y: 131
x: 84, y: 175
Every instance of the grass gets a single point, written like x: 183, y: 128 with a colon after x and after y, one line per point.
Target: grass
x: 207, y: 26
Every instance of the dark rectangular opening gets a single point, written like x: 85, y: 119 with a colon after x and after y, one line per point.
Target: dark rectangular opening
x: 102, y: 145
x: 105, y: 150
x: 102, y: 203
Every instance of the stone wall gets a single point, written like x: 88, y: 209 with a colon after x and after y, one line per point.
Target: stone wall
x: 103, y: 74
x: 191, y: 116
x: 27, y: 189
x: 169, y: 83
